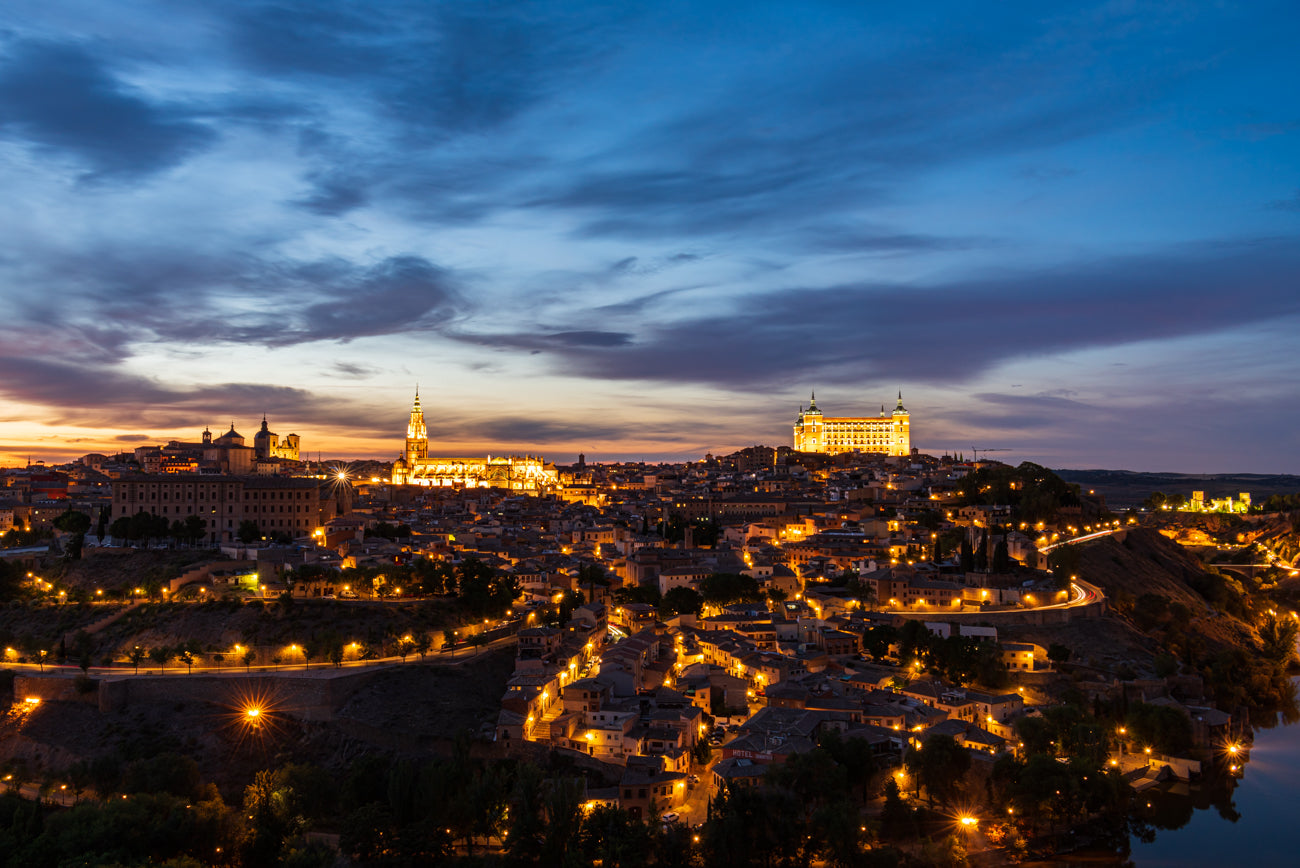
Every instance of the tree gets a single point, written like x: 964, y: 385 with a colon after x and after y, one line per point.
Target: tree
x: 270, y: 804
x: 248, y: 531
x: 136, y: 655
x: 484, y: 590
x: 967, y: 555
x: 854, y: 756
x: 161, y: 654
x: 1165, y: 729
x: 913, y: 642
x: 1001, y: 556
x: 433, y: 578
x: 876, y: 640
x: 311, y: 649
x: 591, y: 576
x: 680, y: 600
x: 247, y: 659
x: 73, y: 522
x: 1278, y: 638
x: 1058, y: 653
x: 939, y: 766
x: 721, y: 589
x: 195, y: 529
x: 895, y: 818
x: 1064, y: 562
x: 186, y: 656
x: 120, y: 529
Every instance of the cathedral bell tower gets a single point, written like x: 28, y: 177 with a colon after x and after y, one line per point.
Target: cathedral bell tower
x: 417, y: 435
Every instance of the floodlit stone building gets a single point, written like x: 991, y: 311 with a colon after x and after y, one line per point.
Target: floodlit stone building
x: 888, y: 434
x: 527, y: 474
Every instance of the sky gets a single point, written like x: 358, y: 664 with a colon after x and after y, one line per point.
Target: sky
x: 652, y: 230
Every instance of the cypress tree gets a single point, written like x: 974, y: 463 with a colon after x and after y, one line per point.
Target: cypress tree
x: 1001, y: 557
x: 967, y: 556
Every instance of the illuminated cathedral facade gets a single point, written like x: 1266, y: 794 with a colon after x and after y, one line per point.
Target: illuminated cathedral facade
x: 889, y: 434
x: 528, y: 474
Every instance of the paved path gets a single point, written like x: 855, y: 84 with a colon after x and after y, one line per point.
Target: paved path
x: 455, y: 657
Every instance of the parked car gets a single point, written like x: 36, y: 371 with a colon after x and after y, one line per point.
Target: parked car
x: 670, y: 817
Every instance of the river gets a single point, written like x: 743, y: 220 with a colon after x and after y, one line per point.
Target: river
x: 1249, y: 824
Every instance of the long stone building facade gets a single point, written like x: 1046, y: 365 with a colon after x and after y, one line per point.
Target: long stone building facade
x: 889, y: 434
x: 294, y: 506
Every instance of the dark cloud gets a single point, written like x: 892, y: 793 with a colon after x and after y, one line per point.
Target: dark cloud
x: 333, y: 194
x: 103, y: 397
x: 843, y: 129
x: 865, y: 240
x: 590, y: 339
x: 400, y: 294
x: 1292, y: 204
x: 548, y: 340
x: 347, y: 369
x: 61, y: 98
x: 1046, y: 173
x: 539, y: 432
x: 445, y: 68
x: 951, y: 331
x: 1023, y: 413
x: 110, y: 300
x: 132, y: 438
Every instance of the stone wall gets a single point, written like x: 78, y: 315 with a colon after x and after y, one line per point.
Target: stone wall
x: 51, y: 688
x: 314, y: 696
x: 1014, y: 617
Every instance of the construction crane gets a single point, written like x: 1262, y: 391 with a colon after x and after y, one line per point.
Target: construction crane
x: 976, y: 452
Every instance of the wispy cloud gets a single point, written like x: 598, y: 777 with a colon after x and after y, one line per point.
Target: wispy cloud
x: 65, y: 101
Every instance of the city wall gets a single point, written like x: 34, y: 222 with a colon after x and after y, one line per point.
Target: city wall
x: 1015, y: 617
x: 306, y: 696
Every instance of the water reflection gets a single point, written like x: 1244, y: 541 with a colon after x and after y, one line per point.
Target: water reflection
x: 1224, y: 816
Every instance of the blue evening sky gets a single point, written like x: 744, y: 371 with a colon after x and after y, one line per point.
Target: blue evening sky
x: 652, y: 229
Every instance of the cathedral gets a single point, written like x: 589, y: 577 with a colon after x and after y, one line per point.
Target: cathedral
x: 267, y: 445
x: 525, y: 474
x: 888, y: 434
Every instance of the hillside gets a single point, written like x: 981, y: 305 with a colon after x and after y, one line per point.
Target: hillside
x: 120, y: 570
x: 415, y: 709
x: 1126, y: 488
x: 1144, y: 562
x: 215, y: 627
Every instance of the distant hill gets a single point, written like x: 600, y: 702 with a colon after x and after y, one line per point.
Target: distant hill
x: 1125, y: 488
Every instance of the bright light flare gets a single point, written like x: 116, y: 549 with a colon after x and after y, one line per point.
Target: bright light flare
x: 251, y: 719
